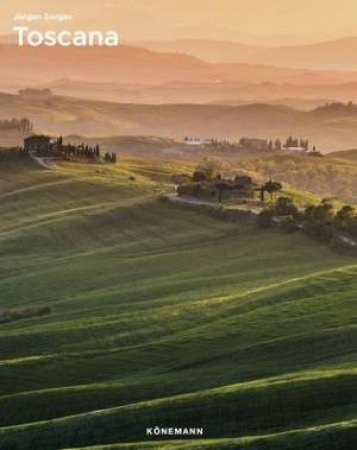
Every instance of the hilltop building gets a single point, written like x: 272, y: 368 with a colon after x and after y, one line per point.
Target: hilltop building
x: 42, y: 94
x: 195, y: 141
x: 255, y: 144
x: 45, y: 146
x: 37, y: 143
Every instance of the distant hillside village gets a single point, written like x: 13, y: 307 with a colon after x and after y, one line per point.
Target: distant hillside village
x: 291, y: 144
x: 44, y: 146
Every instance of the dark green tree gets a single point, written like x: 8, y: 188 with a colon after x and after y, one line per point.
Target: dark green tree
x: 272, y: 187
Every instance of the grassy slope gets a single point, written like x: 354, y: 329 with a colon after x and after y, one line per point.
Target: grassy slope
x: 350, y: 155
x: 325, y: 177
x: 163, y: 316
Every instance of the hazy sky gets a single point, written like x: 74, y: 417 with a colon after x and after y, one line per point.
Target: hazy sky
x: 256, y: 21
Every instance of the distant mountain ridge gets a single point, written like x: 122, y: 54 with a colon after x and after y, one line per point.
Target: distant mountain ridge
x: 299, y: 96
x: 338, y: 54
x: 126, y: 64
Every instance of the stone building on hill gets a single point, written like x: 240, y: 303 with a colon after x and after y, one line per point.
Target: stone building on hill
x: 37, y: 143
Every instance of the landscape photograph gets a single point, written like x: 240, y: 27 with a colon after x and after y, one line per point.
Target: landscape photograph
x: 178, y: 225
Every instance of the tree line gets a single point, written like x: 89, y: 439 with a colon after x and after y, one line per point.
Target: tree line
x: 295, y: 142
x: 110, y: 157
x: 23, y: 125
x: 323, y: 221
x: 60, y: 149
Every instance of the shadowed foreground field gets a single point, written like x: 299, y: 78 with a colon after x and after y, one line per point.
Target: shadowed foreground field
x: 168, y: 317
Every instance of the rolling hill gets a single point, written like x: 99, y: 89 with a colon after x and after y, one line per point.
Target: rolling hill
x: 334, y: 175
x: 338, y: 54
x: 163, y: 316
x: 299, y: 96
x: 139, y: 75
x: 128, y: 64
x: 333, y: 127
x: 349, y: 155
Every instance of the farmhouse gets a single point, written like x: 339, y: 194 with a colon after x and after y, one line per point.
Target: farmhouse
x: 255, y: 144
x: 44, y: 146
x: 37, y: 143
x: 36, y: 93
x: 206, y: 186
x: 195, y: 141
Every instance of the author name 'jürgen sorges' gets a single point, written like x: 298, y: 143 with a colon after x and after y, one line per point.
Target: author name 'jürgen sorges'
x: 37, y: 17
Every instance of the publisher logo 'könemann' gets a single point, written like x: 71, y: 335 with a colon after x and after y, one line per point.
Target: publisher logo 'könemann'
x: 65, y: 38
x: 174, y: 431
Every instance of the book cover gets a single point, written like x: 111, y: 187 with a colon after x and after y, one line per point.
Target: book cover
x: 178, y: 226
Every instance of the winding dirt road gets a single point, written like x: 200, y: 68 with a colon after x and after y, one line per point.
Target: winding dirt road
x: 43, y: 162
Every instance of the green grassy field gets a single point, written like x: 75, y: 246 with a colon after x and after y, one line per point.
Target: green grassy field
x: 165, y: 316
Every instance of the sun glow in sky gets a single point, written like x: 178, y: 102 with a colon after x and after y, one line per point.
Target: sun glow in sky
x: 252, y: 21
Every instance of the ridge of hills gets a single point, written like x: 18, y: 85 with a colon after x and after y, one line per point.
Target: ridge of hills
x: 127, y: 64
x: 332, y: 127
x: 335, y: 54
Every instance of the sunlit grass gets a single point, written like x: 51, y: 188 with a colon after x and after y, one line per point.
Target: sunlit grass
x: 164, y: 315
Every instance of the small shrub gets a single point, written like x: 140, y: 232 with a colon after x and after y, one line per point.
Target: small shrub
x: 285, y: 206
x: 265, y: 218
x: 26, y: 313
x: 288, y: 224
